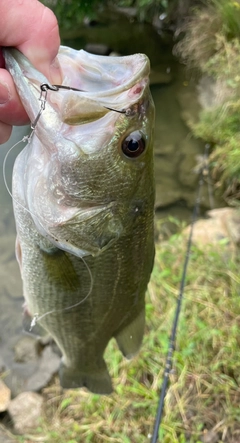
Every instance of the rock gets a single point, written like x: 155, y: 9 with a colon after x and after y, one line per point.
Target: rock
x: 6, y: 436
x: 167, y: 193
x: 232, y: 223
x: 219, y: 226
x: 190, y: 151
x: 7, y: 223
x: 26, y: 349
x: 48, y: 365
x: 5, y: 396
x: 25, y: 411
x: 32, y: 373
x: 7, y: 247
x: 10, y: 279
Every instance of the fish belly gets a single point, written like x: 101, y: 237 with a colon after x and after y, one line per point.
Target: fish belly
x: 82, y: 304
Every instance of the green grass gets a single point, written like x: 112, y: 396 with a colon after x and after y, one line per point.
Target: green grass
x: 204, y: 394
x: 212, y: 46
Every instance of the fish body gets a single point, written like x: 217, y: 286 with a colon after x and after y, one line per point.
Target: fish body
x: 83, y: 194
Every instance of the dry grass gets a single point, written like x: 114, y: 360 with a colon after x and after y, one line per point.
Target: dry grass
x: 204, y: 394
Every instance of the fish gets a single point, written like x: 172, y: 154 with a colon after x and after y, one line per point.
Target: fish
x: 83, y: 197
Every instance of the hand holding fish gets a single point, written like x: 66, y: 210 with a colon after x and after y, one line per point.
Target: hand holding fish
x: 32, y: 28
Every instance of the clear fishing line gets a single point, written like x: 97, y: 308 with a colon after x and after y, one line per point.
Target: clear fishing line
x: 27, y: 138
x: 36, y: 317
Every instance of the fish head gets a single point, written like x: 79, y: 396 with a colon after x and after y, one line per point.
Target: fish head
x: 89, y: 164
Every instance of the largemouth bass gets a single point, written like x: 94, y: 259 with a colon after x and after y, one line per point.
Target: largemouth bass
x: 83, y: 195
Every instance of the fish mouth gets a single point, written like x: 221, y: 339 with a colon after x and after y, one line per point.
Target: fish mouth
x: 102, y: 76
x: 103, y: 83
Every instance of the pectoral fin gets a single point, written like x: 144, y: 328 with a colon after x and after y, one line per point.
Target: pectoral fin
x: 130, y: 338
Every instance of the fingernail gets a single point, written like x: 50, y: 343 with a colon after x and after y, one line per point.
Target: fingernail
x: 4, y: 93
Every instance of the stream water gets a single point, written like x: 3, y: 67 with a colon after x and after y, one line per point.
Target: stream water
x: 176, y: 155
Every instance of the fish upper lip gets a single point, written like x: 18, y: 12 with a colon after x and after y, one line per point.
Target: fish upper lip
x: 112, y: 82
x: 107, y: 70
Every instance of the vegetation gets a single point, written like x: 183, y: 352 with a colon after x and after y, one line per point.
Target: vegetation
x: 202, y: 403
x: 211, y: 44
x: 71, y: 13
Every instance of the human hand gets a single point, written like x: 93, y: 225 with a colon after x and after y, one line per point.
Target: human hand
x: 32, y: 28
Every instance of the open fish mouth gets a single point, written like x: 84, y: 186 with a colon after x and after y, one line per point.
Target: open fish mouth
x: 77, y: 137
x: 104, y: 83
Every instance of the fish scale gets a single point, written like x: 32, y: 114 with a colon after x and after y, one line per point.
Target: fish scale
x: 83, y: 193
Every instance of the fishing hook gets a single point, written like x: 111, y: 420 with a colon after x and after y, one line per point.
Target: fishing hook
x: 45, y: 87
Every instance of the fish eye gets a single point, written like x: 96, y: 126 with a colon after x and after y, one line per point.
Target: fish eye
x: 133, y: 145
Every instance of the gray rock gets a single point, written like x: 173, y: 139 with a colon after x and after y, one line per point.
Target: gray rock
x: 10, y: 279
x: 25, y: 411
x: 215, y: 228
x: 48, y: 365
x: 190, y: 149
x: 6, y: 436
x: 34, y: 374
x: 7, y: 247
x: 232, y: 223
x: 26, y: 349
x: 167, y: 192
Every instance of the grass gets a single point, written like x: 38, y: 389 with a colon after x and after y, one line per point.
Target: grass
x: 212, y: 46
x: 204, y: 395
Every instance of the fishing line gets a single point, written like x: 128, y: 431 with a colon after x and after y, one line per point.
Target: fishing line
x: 26, y: 138
x: 44, y: 87
x: 172, y: 340
x: 36, y: 317
x: 43, y: 99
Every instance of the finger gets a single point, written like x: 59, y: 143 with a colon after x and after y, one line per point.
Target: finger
x: 11, y: 109
x: 5, y: 132
x: 32, y: 28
